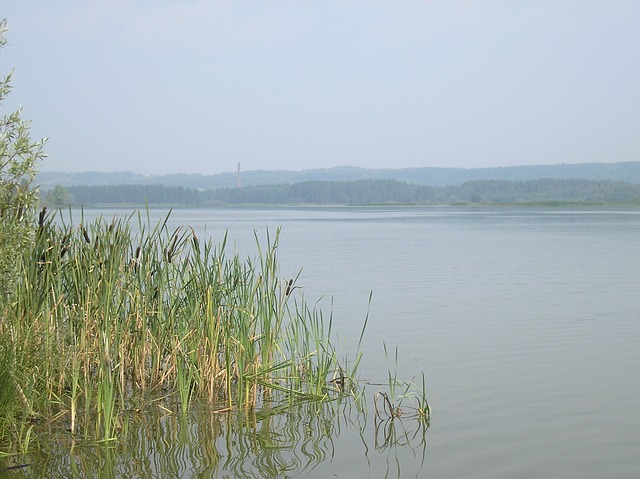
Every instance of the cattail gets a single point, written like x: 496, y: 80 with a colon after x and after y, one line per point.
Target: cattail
x: 171, y: 249
x: 42, y: 216
x: 85, y: 234
x: 289, y: 288
x: 196, y: 243
x: 65, y: 245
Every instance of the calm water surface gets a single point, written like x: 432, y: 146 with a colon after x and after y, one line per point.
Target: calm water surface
x: 525, y: 321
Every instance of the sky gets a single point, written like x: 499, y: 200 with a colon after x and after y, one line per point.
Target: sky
x: 198, y: 86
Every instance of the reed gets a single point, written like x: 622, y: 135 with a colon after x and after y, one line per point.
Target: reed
x: 107, y: 317
x: 390, y: 405
x: 8, y: 393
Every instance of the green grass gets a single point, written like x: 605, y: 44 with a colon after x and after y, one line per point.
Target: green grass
x: 110, y: 317
x: 104, y: 318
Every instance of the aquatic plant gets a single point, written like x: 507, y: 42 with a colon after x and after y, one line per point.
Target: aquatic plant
x: 389, y: 404
x: 105, y: 319
x: 113, y: 322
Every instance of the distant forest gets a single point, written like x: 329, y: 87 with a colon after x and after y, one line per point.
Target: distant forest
x: 359, y: 192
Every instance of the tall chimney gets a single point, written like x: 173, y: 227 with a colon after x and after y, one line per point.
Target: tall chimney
x: 238, y: 182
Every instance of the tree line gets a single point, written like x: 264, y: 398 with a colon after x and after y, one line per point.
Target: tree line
x: 359, y: 192
x: 124, y: 194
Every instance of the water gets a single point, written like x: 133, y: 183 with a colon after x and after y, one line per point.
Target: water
x: 525, y: 322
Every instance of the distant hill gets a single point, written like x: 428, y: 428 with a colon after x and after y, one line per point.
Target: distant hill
x: 628, y: 172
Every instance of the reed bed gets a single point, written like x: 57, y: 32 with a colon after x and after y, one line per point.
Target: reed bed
x: 108, y: 319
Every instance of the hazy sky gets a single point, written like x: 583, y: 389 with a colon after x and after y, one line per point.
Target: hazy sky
x: 197, y: 86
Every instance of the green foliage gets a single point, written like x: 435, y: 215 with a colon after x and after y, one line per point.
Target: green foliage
x: 58, y: 197
x: 19, y: 157
x: 107, y: 317
x: 7, y: 389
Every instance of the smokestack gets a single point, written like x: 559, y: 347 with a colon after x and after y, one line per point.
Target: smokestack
x: 238, y: 183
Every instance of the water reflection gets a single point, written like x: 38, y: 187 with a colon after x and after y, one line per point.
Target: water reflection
x: 305, y: 440
x: 392, y: 435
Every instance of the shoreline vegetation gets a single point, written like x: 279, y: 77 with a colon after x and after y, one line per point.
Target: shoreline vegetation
x: 107, y: 319
x: 542, y: 192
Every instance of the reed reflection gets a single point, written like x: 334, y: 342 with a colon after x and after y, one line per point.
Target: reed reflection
x: 267, y: 443
x: 394, y: 438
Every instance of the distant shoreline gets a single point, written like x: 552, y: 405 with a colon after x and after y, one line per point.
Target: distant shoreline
x: 533, y: 204
x: 540, y: 192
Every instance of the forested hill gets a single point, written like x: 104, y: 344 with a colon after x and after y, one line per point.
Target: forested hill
x: 360, y: 192
x: 628, y: 172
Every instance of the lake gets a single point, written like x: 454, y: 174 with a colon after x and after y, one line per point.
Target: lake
x: 525, y: 321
